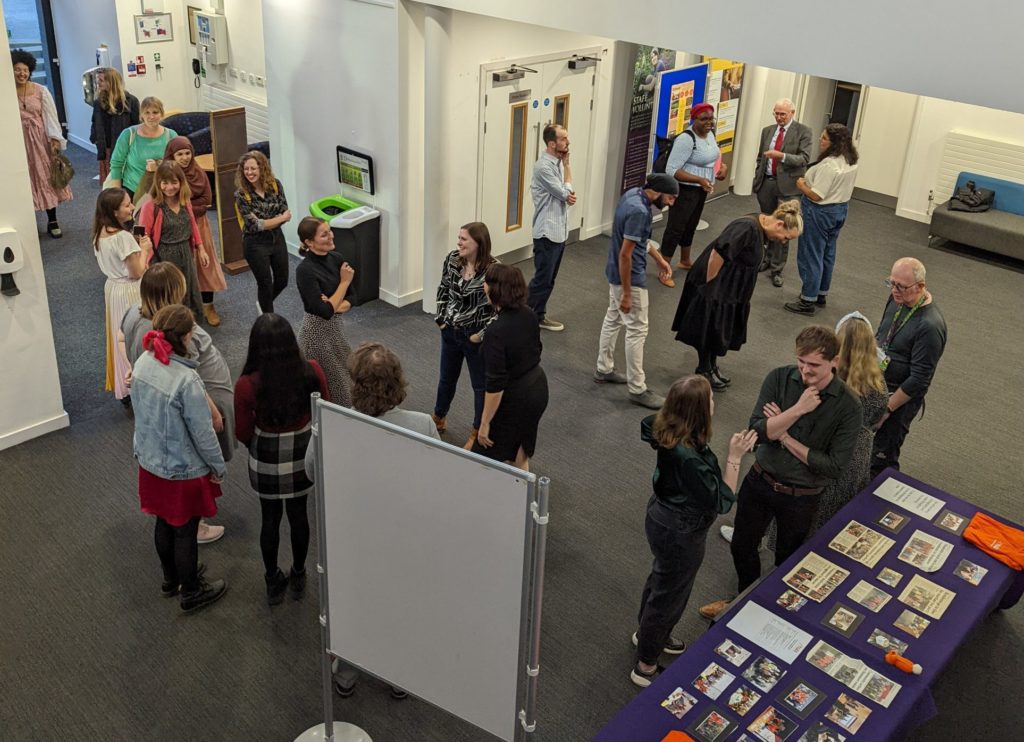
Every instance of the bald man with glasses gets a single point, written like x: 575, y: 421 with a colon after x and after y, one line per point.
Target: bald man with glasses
x: 911, y: 336
x: 783, y: 157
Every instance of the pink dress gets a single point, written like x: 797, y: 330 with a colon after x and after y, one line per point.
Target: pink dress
x: 38, y: 132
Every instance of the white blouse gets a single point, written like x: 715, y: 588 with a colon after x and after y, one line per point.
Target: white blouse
x: 832, y: 179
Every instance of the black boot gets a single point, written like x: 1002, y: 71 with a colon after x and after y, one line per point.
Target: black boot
x: 716, y: 385
x: 207, y: 593
x: 276, y: 586
x: 296, y: 583
x: 716, y: 372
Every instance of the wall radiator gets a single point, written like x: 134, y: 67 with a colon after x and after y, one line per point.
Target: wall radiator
x: 257, y: 124
x: 963, y: 151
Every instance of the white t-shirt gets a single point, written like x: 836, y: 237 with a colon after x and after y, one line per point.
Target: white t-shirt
x: 832, y: 179
x: 113, y: 249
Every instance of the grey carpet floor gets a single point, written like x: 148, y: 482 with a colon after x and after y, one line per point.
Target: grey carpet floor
x: 88, y: 648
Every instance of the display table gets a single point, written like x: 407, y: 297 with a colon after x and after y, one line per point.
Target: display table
x: 645, y: 718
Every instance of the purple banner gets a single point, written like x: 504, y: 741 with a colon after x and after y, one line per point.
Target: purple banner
x: 650, y: 61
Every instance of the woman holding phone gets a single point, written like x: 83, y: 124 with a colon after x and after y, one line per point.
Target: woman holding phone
x: 123, y: 259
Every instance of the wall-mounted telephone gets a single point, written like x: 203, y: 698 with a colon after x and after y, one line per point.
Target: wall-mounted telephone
x: 196, y: 67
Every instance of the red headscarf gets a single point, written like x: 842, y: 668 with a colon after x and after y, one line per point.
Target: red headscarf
x: 700, y: 108
x: 196, y: 177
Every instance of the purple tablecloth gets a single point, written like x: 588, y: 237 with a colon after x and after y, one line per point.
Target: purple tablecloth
x: 645, y: 720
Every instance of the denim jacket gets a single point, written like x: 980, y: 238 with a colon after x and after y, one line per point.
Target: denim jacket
x: 174, y: 436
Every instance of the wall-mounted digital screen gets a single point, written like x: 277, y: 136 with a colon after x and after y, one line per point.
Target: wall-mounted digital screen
x: 355, y: 169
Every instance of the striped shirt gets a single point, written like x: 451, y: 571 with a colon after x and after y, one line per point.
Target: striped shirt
x: 462, y: 303
x: 550, y: 191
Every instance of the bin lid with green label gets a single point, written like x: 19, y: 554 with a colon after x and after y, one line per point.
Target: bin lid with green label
x: 328, y: 207
x: 352, y: 217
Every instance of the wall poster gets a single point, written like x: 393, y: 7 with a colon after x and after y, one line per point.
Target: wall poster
x: 650, y: 63
x: 725, y: 84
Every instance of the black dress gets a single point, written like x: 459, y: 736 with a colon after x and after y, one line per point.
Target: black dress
x: 712, y: 316
x: 322, y: 336
x: 511, y: 350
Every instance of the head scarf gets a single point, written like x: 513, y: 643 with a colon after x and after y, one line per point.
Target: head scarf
x: 154, y: 341
x: 662, y: 183
x: 701, y: 108
x: 196, y: 177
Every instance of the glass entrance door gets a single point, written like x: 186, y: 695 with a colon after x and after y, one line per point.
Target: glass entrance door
x: 30, y: 27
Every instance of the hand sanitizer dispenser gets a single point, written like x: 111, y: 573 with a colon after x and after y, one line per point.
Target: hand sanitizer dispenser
x: 12, y: 258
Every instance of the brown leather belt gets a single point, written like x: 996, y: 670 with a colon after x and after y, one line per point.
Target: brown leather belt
x: 785, y: 488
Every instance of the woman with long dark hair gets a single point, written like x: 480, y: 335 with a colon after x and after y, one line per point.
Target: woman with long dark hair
x: 323, y: 279
x: 690, y: 491
x: 827, y: 187
x: 462, y: 313
x: 180, y: 462
x: 516, y: 394
x: 123, y: 259
x: 272, y: 418
x: 262, y: 208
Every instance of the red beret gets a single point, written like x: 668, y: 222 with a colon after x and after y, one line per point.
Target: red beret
x: 701, y: 108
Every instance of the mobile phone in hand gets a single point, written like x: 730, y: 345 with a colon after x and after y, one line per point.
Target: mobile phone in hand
x: 139, y: 231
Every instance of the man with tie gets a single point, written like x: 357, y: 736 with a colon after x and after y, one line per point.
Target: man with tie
x: 783, y: 157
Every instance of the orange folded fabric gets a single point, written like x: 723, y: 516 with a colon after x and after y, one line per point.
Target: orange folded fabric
x: 677, y: 737
x: 999, y: 540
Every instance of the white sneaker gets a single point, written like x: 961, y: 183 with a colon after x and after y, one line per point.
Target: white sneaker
x: 727, y: 532
x: 552, y: 325
x: 208, y: 534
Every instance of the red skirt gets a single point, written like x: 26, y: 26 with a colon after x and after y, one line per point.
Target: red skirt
x: 177, y: 500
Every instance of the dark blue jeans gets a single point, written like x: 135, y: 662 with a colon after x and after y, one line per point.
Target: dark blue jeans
x: 677, y: 540
x: 547, y: 257
x: 816, y: 251
x: 456, y: 346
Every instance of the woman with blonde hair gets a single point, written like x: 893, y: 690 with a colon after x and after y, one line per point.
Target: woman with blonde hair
x: 123, y: 260
x: 690, y: 491
x: 262, y: 208
x: 858, y: 367
x: 169, y: 221
x: 113, y: 111
x: 139, y: 148
x: 715, y: 304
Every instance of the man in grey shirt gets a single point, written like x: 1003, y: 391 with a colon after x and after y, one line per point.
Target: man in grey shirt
x: 552, y: 194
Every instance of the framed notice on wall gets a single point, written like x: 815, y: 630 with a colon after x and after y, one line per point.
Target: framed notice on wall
x: 153, y: 27
x: 355, y: 169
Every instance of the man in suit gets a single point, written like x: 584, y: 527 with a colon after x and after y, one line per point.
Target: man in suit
x: 783, y: 157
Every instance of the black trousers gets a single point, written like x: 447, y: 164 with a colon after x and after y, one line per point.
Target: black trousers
x: 683, y: 218
x: 757, y: 503
x: 768, y: 199
x: 267, y: 256
x: 885, y: 451
x: 677, y: 541
x: 270, y: 533
x: 178, y: 550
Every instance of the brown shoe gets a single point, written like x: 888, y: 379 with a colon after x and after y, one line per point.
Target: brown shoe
x: 667, y: 281
x: 684, y: 265
x: 472, y: 439
x: 441, y: 423
x: 711, y: 611
x: 210, y: 312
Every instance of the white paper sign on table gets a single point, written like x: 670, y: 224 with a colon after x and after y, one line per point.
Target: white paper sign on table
x: 770, y: 632
x: 910, y: 498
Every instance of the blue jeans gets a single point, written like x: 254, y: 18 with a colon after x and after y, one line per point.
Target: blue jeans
x: 677, y: 539
x: 456, y: 346
x: 547, y: 257
x: 816, y: 251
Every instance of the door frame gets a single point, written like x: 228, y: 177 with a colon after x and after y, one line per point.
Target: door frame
x: 485, y: 86
x: 53, y: 62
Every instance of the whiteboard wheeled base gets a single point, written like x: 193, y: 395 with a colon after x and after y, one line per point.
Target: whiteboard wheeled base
x: 342, y: 732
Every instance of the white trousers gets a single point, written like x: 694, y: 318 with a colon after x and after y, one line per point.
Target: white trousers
x: 636, y: 333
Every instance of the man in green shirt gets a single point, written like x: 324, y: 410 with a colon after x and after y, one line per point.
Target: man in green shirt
x: 807, y: 421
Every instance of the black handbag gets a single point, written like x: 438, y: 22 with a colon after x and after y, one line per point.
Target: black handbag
x: 970, y: 198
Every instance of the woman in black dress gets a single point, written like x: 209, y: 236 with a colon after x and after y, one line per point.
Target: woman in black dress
x: 516, y: 394
x: 323, y: 279
x: 713, y: 310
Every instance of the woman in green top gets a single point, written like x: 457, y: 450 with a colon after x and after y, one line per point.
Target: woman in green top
x: 690, y: 491
x: 139, y: 148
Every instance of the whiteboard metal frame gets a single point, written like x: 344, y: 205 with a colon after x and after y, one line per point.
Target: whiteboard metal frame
x: 533, y: 577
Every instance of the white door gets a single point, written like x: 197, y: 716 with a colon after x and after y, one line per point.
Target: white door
x: 515, y: 113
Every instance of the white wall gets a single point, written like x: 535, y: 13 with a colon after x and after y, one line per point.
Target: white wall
x: 934, y: 119
x: 885, y: 124
x: 916, y: 46
x: 333, y: 76
x: 174, y: 85
x: 80, y: 28
x: 30, y: 399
